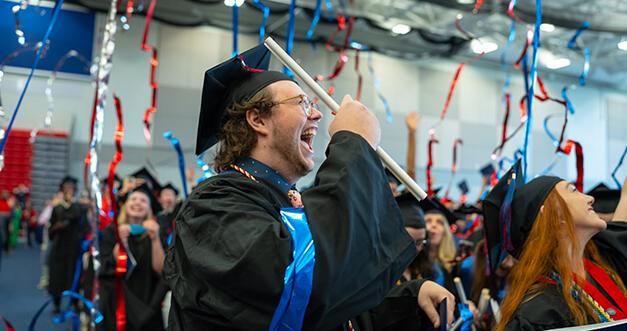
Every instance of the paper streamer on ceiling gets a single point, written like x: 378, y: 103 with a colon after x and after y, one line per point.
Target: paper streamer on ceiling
x: 432, y: 141
x: 377, y: 87
x: 458, y: 72
x: 176, y: 144
x: 456, y: 144
x: 91, y: 180
x: 291, y: 29
x: 531, y: 79
x: 620, y: 163
x: 40, y: 51
x: 72, y: 54
x: 265, y: 10
x: 154, y: 86
x: 235, y: 26
x: 342, y: 24
x: 314, y: 23
x: 4, y: 62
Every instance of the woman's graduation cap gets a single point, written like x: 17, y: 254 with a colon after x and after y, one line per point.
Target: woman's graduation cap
x: 413, y: 216
x: 235, y: 80
x: 510, y: 209
x: 145, y: 174
x: 433, y: 205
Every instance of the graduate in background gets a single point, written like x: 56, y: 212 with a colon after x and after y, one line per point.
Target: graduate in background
x: 68, y: 227
x: 168, y: 199
x: 442, y: 250
x: 562, y: 278
x: 143, y: 287
x: 232, y: 249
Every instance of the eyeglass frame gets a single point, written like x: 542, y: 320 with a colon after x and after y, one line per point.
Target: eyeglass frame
x: 305, y: 104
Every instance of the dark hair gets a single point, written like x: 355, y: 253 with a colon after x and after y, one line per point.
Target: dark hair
x: 237, y: 138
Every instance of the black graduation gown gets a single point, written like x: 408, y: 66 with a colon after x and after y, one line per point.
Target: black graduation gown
x: 546, y: 308
x: 165, y: 227
x: 230, y: 250
x: 144, y: 290
x: 399, y: 311
x: 66, y: 245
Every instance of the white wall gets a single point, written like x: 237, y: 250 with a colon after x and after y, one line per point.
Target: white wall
x: 475, y: 113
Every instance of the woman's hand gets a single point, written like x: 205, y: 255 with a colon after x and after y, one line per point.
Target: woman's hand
x: 152, y: 228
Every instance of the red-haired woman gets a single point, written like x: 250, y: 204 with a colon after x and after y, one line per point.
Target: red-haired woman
x: 561, y: 279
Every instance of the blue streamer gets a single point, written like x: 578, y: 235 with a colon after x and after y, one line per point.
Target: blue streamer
x: 235, y: 10
x: 554, y: 139
x: 44, y: 42
x: 298, y: 279
x: 573, y: 41
x: 314, y: 22
x: 207, y: 172
x: 266, y: 12
x: 586, y: 67
x: 137, y: 229
x: 620, y: 162
x: 290, y: 35
x: 466, y: 315
x: 181, y: 158
x: 96, y: 315
x: 533, y: 72
x: 377, y: 86
x: 569, y: 105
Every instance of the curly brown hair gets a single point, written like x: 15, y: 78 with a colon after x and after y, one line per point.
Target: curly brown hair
x: 237, y: 138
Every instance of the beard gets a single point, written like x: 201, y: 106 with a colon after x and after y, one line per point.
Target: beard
x: 288, y: 149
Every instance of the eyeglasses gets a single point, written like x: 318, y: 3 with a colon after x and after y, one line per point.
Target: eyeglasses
x: 303, y: 101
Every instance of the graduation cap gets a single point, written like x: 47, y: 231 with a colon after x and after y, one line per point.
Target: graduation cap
x: 145, y: 174
x: 154, y: 204
x: 466, y: 209
x: 487, y: 170
x: 518, y: 205
x: 235, y: 80
x: 434, y: 206
x: 170, y: 187
x: 605, y: 198
x: 413, y: 216
x: 68, y: 180
x: 463, y: 187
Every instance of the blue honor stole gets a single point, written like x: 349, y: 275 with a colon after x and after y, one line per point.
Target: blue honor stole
x: 298, y: 279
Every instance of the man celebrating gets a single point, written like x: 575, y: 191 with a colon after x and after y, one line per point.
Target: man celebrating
x: 249, y: 253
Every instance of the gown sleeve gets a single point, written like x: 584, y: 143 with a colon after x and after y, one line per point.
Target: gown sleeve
x: 612, y: 244
x: 399, y: 310
x: 360, y: 244
x: 228, y: 257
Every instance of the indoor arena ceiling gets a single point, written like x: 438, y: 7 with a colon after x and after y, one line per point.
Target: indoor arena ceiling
x: 433, y: 32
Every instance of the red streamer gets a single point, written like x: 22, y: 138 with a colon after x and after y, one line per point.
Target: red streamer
x: 456, y: 143
x: 568, y: 146
x: 359, y: 77
x: 343, y: 56
x: 525, y: 48
x: 154, y: 62
x: 120, y: 271
x: 478, y: 5
x: 432, y: 140
x: 129, y: 8
x: 7, y: 323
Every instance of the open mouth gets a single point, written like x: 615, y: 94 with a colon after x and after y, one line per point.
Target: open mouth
x: 308, y: 136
